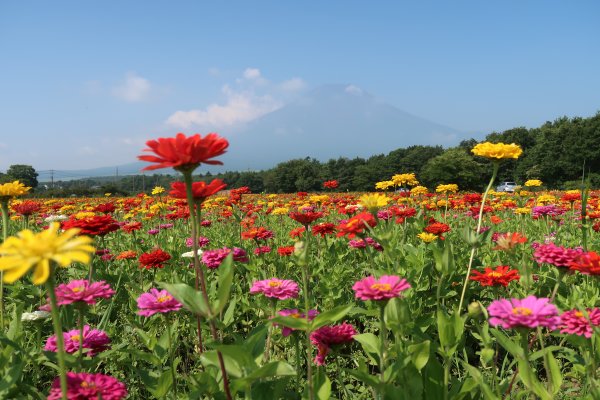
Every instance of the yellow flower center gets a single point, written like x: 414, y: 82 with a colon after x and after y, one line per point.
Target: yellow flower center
x: 76, y: 338
x: 522, y: 311
x: 274, y: 284
x: 579, y: 314
x: 495, y: 274
x: 383, y: 287
x: 88, y: 385
x: 295, y: 315
x: 162, y: 299
x: 78, y: 289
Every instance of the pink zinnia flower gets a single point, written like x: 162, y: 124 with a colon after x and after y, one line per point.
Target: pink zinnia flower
x: 384, y: 288
x: 276, y: 288
x: 328, y: 336
x: 84, y: 386
x: 82, y: 291
x: 556, y: 255
x: 93, y: 339
x: 294, y: 313
x: 156, y: 301
x: 529, y: 312
x: 576, y: 323
x: 262, y: 250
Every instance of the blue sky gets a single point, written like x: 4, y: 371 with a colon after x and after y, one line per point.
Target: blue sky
x: 84, y: 84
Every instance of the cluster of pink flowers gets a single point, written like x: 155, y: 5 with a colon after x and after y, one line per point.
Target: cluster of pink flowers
x: 295, y: 313
x: 327, y: 336
x: 556, y: 255
x: 93, y: 339
x: 529, y: 312
x: 549, y: 210
x: 384, y: 288
x: 84, y: 386
x: 156, y: 301
x: 363, y: 243
x: 262, y: 250
x: 202, y: 241
x: 577, y: 323
x: 82, y: 291
x: 280, y: 289
x: 213, y: 258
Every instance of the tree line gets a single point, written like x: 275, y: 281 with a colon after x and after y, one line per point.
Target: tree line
x: 559, y: 153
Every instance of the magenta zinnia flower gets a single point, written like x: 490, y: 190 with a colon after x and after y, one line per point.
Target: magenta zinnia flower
x: 93, y: 339
x: 84, y: 386
x: 529, y: 312
x: 556, y: 255
x: 276, y: 288
x: 156, y: 301
x: 294, y: 313
x: 384, y: 288
x: 82, y: 291
x: 576, y: 323
x: 328, y: 336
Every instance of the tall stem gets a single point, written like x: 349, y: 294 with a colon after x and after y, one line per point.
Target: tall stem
x: 171, y: 355
x: 383, y: 333
x: 474, y: 248
x: 187, y: 176
x: 80, y: 351
x: 4, y: 210
x: 60, y: 342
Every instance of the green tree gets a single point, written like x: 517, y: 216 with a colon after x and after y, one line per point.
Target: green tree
x: 25, y: 174
x: 455, y: 165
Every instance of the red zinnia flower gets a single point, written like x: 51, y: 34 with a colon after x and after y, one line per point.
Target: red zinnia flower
x: 297, y: 232
x: 184, y: 153
x: 332, y: 184
x: 98, y: 225
x: 326, y: 228
x: 437, y: 228
x: 200, y: 190
x: 132, y: 226
x: 509, y: 240
x: 155, y: 259
x: 502, y: 275
x: 27, y: 208
x: 257, y: 234
x: 586, y: 263
x: 285, y: 250
x: 306, y: 218
x: 356, y: 225
x: 105, y: 208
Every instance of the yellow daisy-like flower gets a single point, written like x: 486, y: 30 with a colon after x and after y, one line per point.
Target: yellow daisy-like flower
x: 441, y: 203
x: 417, y: 190
x: 374, y: 201
x: 280, y: 211
x: 546, y: 199
x: 523, y: 210
x: 427, y: 237
x: 533, y: 183
x: 497, y: 151
x: 84, y: 214
x: 384, y: 185
x: 449, y: 188
x: 12, y: 189
x: 319, y: 198
x: 405, y: 179
x: 107, y: 194
x: 158, y: 190
x: 30, y: 250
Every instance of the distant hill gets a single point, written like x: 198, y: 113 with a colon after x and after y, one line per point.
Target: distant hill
x: 328, y: 122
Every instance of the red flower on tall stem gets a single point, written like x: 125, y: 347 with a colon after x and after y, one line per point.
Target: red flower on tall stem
x: 184, y: 153
x: 200, y: 190
x: 332, y: 184
x: 502, y: 275
x: 98, y: 225
x: 306, y: 218
x: 356, y: 225
x: 155, y: 259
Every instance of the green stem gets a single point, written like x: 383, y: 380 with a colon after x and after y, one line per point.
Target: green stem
x: 298, y: 366
x: 474, y: 248
x: 311, y: 393
x: 80, y: 351
x: 171, y: 355
x: 60, y: 342
x: 270, y: 334
x: 4, y: 209
x: 383, y: 334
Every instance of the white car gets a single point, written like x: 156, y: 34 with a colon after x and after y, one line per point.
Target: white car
x: 506, y: 187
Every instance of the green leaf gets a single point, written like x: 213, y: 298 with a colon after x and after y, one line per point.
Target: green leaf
x: 270, y: 370
x: 328, y: 317
x: 11, y: 377
x: 370, y: 344
x: 476, y: 375
x: 210, y: 358
x: 164, y: 383
x: 322, y: 385
x: 225, y: 280
x: 554, y: 373
x: 419, y: 354
x: 508, y: 345
x: 529, y: 379
x: 191, y: 299
x: 291, y: 322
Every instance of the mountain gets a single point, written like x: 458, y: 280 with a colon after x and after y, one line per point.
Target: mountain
x: 331, y: 121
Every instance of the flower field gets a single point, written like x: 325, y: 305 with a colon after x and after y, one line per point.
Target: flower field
x: 202, y: 291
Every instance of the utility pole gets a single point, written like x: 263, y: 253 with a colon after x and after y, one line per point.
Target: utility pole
x: 52, y: 178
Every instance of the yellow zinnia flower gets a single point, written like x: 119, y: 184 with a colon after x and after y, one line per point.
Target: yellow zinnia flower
x: 30, y: 250
x: 158, y: 190
x: 427, y: 237
x: 449, y: 188
x: 417, y: 190
x: 384, y: 185
x: 533, y: 183
x: 497, y: 151
x: 405, y: 179
x: 374, y: 201
x: 12, y: 189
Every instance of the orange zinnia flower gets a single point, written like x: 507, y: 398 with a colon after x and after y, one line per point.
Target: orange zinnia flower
x: 184, y: 153
x: 200, y: 190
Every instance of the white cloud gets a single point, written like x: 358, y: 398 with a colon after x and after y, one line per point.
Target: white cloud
x: 353, y: 90
x: 250, y: 97
x: 214, y: 71
x: 293, y: 85
x: 134, y: 89
x: 252, y: 73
